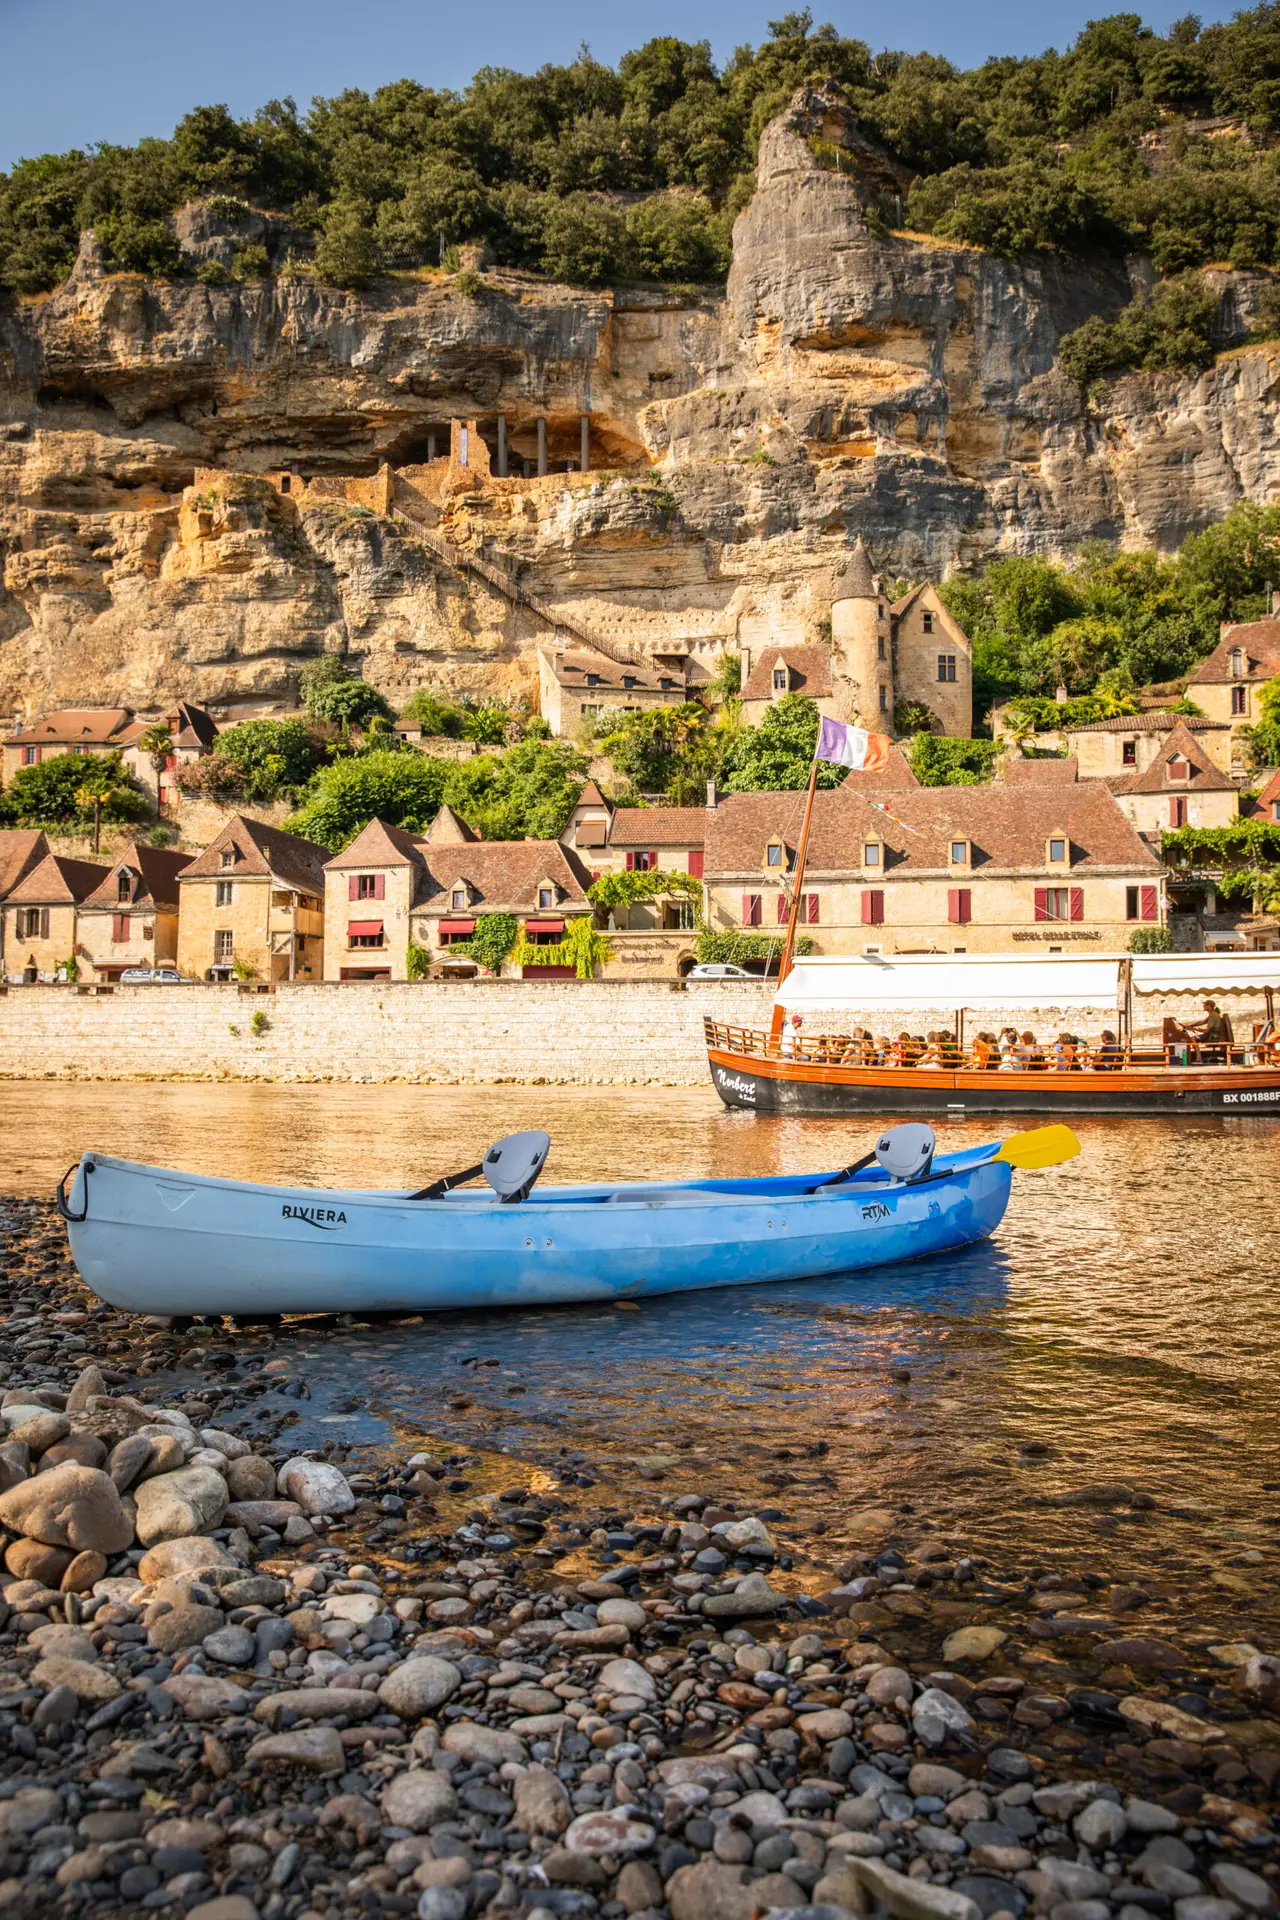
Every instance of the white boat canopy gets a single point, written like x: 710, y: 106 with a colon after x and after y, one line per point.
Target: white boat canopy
x: 863, y: 983
x: 1205, y: 972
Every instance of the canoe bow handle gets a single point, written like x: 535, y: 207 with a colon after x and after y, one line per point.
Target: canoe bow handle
x: 60, y: 1193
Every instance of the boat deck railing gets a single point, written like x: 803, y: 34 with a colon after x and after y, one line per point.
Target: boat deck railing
x: 842, y: 1050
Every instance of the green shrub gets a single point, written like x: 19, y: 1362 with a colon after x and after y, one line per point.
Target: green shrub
x: 492, y: 940
x: 348, y: 253
x: 469, y: 284
x: 60, y: 792
x: 1151, y: 940
x: 1172, y: 331
x: 418, y: 962
x: 140, y: 246
x: 250, y: 263
x: 937, y: 760
x: 404, y: 789
x: 212, y: 273
x: 259, y: 760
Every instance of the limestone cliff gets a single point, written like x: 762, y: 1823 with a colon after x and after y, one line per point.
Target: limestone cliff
x: 850, y: 380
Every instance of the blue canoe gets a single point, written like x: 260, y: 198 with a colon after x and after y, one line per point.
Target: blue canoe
x: 153, y: 1241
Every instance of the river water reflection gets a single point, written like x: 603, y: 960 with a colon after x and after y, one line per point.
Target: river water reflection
x: 1123, y: 1325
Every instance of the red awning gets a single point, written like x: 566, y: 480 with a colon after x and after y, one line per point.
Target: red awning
x: 457, y: 926
x: 544, y: 926
x: 355, y: 927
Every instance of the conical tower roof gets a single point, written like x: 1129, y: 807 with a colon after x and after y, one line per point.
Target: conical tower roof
x: 856, y: 581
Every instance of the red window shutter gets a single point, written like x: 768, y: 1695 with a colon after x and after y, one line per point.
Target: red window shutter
x: 353, y: 887
x: 380, y: 886
x: 696, y: 859
x: 953, y: 905
x: 631, y: 863
x: 1177, y: 811
x: 44, y: 923
x: 1149, y: 899
x: 752, y: 909
x: 966, y: 906
x: 1077, y: 903
x: 782, y: 909
x: 653, y: 859
x: 813, y: 909
x: 873, y: 907
x: 1042, y: 903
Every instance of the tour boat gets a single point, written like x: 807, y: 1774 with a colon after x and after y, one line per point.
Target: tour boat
x: 819, y: 1067
x: 151, y: 1240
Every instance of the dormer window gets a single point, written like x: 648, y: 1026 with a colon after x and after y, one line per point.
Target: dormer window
x: 960, y: 853
x: 628, y: 680
x: 228, y: 856
x: 775, y: 855
x: 1179, y: 769
x: 666, y: 683
x: 546, y: 897
x: 124, y: 887
x: 1056, y: 851
x: 1237, y: 662
x: 1129, y: 753
x: 873, y: 853
x: 593, y: 679
x: 780, y: 680
x: 458, y: 898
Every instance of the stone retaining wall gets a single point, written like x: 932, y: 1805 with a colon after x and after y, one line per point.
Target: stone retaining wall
x: 465, y: 1033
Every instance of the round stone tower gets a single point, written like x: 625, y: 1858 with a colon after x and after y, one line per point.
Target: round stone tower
x: 862, y: 650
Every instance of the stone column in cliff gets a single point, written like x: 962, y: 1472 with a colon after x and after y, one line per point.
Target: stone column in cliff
x: 542, y: 446
x: 584, y: 425
x: 502, y: 446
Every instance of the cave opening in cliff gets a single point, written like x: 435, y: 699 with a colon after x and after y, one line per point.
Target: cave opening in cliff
x: 418, y: 445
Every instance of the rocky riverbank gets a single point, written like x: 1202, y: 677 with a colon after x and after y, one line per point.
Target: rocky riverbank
x: 240, y: 1680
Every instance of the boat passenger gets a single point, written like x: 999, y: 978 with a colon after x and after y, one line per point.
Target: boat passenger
x: 902, y: 1054
x: 1108, y: 1054
x: 986, y: 1052
x: 790, y: 1043
x: 1011, y: 1056
x: 882, y: 1051
x: 1215, y: 1034
x: 1063, y: 1053
x: 932, y: 1055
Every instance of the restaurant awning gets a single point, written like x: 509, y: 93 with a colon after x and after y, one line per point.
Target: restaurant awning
x: 1205, y: 972
x: 457, y: 926
x: 544, y: 926
x: 363, y: 927
x: 862, y: 984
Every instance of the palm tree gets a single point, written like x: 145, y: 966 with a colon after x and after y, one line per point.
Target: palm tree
x: 104, y: 780
x: 157, y: 741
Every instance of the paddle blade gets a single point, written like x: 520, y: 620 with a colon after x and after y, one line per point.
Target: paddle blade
x: 1040, y: 1147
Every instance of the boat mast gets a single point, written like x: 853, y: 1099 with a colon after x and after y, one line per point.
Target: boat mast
x: 793, y: 915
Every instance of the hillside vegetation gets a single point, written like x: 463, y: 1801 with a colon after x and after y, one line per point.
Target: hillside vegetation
x: 588, y: 172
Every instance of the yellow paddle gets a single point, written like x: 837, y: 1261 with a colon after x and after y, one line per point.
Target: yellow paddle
x: 1039, y: 1147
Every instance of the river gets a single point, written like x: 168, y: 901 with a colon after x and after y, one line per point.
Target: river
x: 1123, y: 1325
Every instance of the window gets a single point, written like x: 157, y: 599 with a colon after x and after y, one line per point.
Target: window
x: 1179, y: 769
x: 124, y: 887
x: 1275, y: 809
x: 464, y: 446
x: 666, y: 683
x: 365, y: 939
x: 871, y: 854
x: 33, y: 924
x: 946, y: 666
x: 959, y: 853
x: 1129, y: 753
x: 880, y: 652
x: 546, y: 897
x: 228, y: 856
x: 1237, y: 662
x: 1057, y: 853
x: 366, y: 886
x: 960, y: 906
x: 119, y: 928
x: 458, y: 898
x: 884, y: 699
x: 31, y: 756
x: 774, y: 855
x: 628, y: 681
x: 752, y: 909
x: 1141, y: 903
x: 1239, y: 700
x: 809, y: 909
x: 783, y: 907
x: 872, y: 907
x: 643, y: 860
x: 593, y: 679
x: 779, y: 679
x: 928, y: 623
x: 223, y: 892
x: 286, y: 484
x: 1177, y: 810
x: 1059, y: 903
x: 224, y: 946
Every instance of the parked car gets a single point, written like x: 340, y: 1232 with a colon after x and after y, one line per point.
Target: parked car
x: 152, y: 977
x: 719, y: 970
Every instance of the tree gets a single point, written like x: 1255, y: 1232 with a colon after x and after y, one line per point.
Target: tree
x: 527, y: 793
x: 348, y: 253
x: 331, y: 692
x: 777, y: 756
x: 157, y: 743
x: 265, y: 757
x: 654, y: 749
x: 1264, y: 738
x: 435, y: 713
x: 69, y: 790
x: 404, y: 789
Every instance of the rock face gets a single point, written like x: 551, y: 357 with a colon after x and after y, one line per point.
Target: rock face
x: 851, y: 380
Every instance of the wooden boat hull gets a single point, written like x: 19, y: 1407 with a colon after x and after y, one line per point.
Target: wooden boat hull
x: 154, y: 1241
x: 806, y: 1089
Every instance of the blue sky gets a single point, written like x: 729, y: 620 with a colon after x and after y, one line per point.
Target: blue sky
x: 78, y: 71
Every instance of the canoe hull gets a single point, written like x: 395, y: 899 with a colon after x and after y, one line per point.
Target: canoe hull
x: 802, y: 1090
x: 154, y: 1241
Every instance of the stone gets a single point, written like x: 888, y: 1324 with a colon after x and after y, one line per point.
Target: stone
x: 165, y: 1454
x: 1203, y: 1906
x: 176, y: 1506
x: 888, y: 1685
x: 198, y: 1833
x: 315, y: 1749
x: 419, y: 1686
x: 626, y: 1677
x: 542, y: 1805
x: 229, y: 1906
x: 622, y: 1613
x: 41, y: 1431
x: 1144, y: 1816
x: 30, y: 1809
x: 80, y: 1449
x: 59, y: 1641
x: 761, y: 1809
x: 1246, y: 1888
x: 203, y: 1697
x: 1070, y: 1880
x: 318, y: 1703
x: 743, y: 1533
x: 417, y: 1799
x: 927, y: 1777
x: 184, y: 1626
x: 32, y: 1560
x: 565, y: 1868
x: 751, y: 1597
x: 127, y: 1459
x: 472, y: 1743
x: 608, y: 1830
x: 88, y: 1384
x: 251, y: 1478
x: 1140, y: 1653
x: 87, y: 1681
x: 69, y: 1506
x: 935, y: 1715
x: 195, y: 1554
x: 84, y: 1572
x: 442, y: 1903
x: 229, y: 1445
x: 1161, y: 1716
x: 639, y: 1887
x: 1100, y: 1826
x: 358, y: 1608
x: 830, y: 1723
x: 316, y: 1486
x: 231, y: 1646
x: 972, y: 1643
x: 710, y: 1891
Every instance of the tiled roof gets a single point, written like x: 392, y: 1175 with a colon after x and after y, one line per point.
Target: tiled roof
x: 157, y: 869
x: 503, y: 875
x: 591, y: 796
x: 1258, y: 641
x: 1008, y: 830
x: 79, y: 726
x: 188, y: 727
x: 658, y: 827
x: 897, y: 775
x: 810, y: 672
x: 1040, y: 773
x: 612, y: 676
x: 262, y: 850
x: 1262, y: 801
x: 855, y: 581
x: 20, y: 850
x: 448, y: 829
x: 57, y: 882
x: 1206, y: 777
x: 379, y: 845
x: 1145, y: 723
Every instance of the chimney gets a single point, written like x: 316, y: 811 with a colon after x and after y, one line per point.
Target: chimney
x: 711, y: 793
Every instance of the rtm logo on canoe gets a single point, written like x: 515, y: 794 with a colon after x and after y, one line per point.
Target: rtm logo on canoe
x: 326, y: 1219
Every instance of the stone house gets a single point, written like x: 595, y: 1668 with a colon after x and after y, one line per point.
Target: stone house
x: 1227, y: 685
x: 579, y: 686
x: 1266, y: 803
x: 38, y: 918
x: 192, y: 731
x: 254, y: 896
x: 78, y: 730
x: 938, y: 870
x: 1181, y: 786
x: 586, y: 830
x: 1128, y: 743
x: 131, y: 919
x: 21, y: 851
x: 778, y: 671
x: 369, y: 890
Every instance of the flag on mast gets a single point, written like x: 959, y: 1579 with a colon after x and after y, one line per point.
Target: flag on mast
x: 853, y: 747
